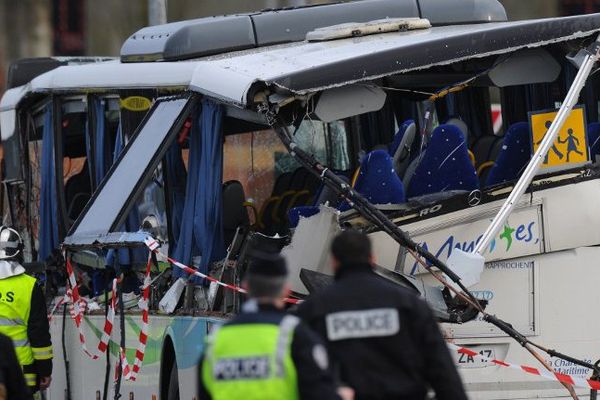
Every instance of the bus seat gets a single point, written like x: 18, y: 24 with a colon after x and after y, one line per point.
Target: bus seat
x: 302, y: 198
x: 483, y: 171
x: 378, y: 181
x: 282, y: 183
x: 401, y: 146
x: 472, y: 158
x: 297, y: 184
x: 410, y: 170
x: 296, y: 213
x: 483, y: 148
x: 312, y: 183
x: 460, y: 124
x: 328, y: 195
x: 513, y: 157
x: 324, y: 195
x: 594, y: 140
x: 496, y: 149
x: 305, y: 196
x: 234, y: 211
x: 445, y: 165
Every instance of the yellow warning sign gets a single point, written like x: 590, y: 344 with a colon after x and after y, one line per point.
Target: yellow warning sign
x: 136, y: 103
x: 570, y: 149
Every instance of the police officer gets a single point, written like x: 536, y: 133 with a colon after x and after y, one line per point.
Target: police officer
x: 12, y: 382
x: 23, y: 314
x: 382, y: 338
x: 263, y: 353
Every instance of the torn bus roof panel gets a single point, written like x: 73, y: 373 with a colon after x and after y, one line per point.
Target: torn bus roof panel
x: 310, y: 67
x: 103, y: 76
x: 116, y: 75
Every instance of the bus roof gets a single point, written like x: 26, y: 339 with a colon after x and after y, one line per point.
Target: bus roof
x: 306, y: 67
x: 216, y: 35
x: 104, y: 75
x: 313, y: 66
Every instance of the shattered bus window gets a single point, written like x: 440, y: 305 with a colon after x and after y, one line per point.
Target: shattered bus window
x: 251, y: 159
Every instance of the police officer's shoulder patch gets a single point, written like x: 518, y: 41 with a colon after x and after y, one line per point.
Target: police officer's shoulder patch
x: 377, y: 322
x: 320, y: 356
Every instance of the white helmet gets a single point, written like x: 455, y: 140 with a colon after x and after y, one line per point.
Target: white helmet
x: 11, y: 244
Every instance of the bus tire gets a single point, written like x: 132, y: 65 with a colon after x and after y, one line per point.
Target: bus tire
x: 173, y: 392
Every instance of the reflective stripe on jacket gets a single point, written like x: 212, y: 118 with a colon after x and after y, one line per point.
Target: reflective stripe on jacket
x: 15, y: 306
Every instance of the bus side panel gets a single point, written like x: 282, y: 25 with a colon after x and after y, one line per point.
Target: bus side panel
x: 87, y: 375
x: 189, y: 336
x: 560, y: 302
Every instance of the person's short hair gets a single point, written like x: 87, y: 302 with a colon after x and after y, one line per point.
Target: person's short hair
x: 264, y: 287
x: 351, y: 247
x: 266, y: 275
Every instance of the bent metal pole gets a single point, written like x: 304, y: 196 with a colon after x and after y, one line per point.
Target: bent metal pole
x: 591, y: 56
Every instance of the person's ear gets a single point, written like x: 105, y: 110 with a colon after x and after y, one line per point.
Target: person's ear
x: 372, y: 260
x: 287, y: 290
x: 335, y: 263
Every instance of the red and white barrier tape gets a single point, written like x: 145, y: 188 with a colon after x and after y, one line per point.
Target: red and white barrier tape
x: 153, y: 246
x: 130, y: 373
x: 553, y: 376
x: 55, y: 308
x: 77, y: 308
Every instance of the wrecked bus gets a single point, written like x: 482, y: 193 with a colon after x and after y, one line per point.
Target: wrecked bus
x: 397, y: 109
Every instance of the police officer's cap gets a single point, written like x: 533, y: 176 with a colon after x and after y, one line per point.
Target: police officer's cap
x: 267, y: 264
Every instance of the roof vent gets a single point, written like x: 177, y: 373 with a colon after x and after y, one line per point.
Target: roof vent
x: 368, y: 28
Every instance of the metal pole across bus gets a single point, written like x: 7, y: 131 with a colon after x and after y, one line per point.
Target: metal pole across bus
x: 534, y: 165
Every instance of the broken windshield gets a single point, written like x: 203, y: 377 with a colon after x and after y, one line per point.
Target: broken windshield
x: 137, y: 163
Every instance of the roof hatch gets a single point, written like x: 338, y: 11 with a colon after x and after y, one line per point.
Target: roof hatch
x: 352, y: 29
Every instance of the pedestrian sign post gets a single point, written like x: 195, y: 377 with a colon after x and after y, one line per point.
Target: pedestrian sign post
x: 570, y: 149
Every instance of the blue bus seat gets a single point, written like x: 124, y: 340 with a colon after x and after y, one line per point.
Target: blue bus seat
x: 460, y: 124
x: 594, y: 140
x: 445, y: 165
x: 513, y: 157
x: 377, y: 180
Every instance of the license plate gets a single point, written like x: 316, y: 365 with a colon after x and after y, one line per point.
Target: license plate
x: 466, y: 361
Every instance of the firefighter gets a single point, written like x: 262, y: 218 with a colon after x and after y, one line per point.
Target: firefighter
x: 382, y: 339
x: 263, y: 353
x: 23, y: 315
x: 12, y: 382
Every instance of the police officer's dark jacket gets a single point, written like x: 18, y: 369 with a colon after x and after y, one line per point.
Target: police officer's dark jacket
x: 382, y: 338
x: 11, y: 375
x: 308, y: 353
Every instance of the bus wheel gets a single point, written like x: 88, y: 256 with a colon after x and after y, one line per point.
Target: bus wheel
x: 173, y: 393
